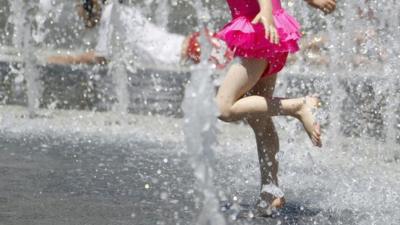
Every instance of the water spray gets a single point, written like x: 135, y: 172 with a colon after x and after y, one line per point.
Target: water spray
x: 199, y: 126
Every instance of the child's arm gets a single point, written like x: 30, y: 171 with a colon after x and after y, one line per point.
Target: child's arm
x: 265, y: 17
x: 85, y: 58
x: 327, y: 6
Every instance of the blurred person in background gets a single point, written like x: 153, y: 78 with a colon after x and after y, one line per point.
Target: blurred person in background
x: 149, y: 43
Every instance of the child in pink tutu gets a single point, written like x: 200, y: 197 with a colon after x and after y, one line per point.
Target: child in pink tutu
x: 262, y: 34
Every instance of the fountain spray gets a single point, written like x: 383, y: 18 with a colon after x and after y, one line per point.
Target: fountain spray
x: 117, y: 68
x: 23, y: 39
x: 392, y: 119
x: 200, y: 131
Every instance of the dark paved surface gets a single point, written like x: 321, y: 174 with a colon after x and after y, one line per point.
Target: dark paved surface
x: 49, y: 181
x: 87, y: 181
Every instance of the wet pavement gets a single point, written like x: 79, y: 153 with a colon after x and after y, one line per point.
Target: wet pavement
x: 53, y: 181
x: 50, y: 177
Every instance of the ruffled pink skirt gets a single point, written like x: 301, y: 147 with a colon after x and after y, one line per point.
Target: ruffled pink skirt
x: 248, y: 40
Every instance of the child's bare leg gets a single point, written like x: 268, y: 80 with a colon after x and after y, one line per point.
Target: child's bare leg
x: 267, y: 143
x: 243, y: 77
x: 267, y: 147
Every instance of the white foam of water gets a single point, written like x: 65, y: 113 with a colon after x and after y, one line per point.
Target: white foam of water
x: 272, y: 189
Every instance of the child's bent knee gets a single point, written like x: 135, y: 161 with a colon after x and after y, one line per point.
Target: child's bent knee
x: 225, y: 111
x: 225, y: 114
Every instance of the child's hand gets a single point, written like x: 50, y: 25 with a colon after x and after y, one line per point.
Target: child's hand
x: 327, y: 6
x: 269, y: 26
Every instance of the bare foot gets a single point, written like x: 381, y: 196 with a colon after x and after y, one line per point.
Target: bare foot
x: 278, y: 203
x: 306, y: 115
x: 265, y: 210
x: 268, y: 203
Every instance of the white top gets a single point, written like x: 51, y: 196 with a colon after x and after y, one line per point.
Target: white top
x: 126, y: 28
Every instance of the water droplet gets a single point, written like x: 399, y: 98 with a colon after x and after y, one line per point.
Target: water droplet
x: 164, y: 195
x: 263, y: 204
x: 251, y: 214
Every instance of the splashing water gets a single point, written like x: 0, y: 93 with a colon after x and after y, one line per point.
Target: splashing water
x: 200, y: 128
x: 200, y: 133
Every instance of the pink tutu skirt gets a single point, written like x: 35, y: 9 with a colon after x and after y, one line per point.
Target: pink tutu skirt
x: 248, y: 40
